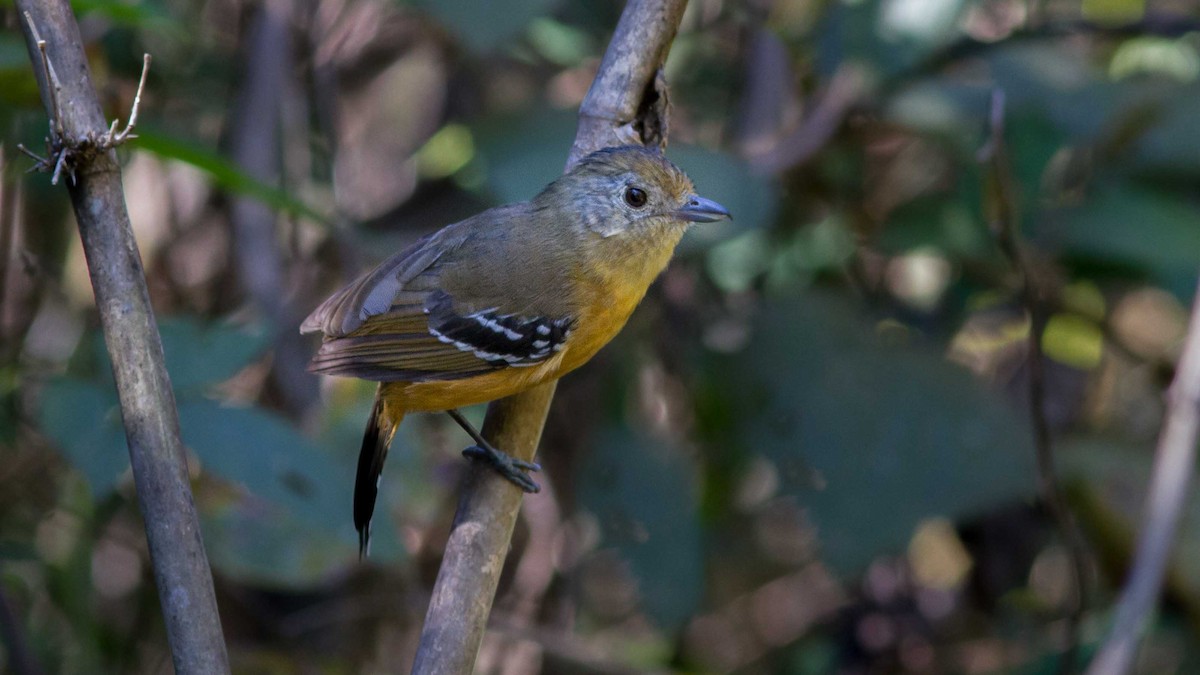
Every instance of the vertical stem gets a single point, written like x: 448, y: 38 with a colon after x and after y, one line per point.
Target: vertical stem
x: 255, y: 145
x: 1004, y: 217
x: 147, y: 403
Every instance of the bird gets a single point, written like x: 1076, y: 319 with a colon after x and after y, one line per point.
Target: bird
x: 500, y: 302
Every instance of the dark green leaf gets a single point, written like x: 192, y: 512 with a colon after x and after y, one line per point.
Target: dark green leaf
x: 1172, y: 143
x: 948, y: 224
x: 253, y: 448
x: 85, y: 422
x: 486, y: 25
x: 750, y: 197
x: 292, y: 524
x: 872, y: 437
x: 260, y: 544
x: 411, y: 482
x: 525, y: 153
x: 147, y: 15
x: 887, y: 36
x: 13, y: 54
x: 644, y: 495
x: 199, y: 356
x: 1153, y: 231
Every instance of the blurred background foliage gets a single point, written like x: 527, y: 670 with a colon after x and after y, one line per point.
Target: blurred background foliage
x: 808, y: 452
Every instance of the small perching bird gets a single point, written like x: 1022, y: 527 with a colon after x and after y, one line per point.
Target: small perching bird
x: 505, y: 300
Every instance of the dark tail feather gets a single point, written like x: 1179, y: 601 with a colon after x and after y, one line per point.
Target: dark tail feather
x: 376, y: 440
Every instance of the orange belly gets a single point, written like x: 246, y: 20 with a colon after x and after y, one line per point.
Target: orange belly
x: 446, y: 394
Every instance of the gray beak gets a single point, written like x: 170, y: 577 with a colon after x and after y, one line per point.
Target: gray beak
x: 701, y: 210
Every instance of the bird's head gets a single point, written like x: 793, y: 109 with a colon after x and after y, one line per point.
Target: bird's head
x: 628, y: 190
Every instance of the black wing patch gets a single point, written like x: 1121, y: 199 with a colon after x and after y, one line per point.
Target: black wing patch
x: 499, y: 339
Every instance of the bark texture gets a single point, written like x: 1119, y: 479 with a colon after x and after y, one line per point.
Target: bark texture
x: 148, y: 410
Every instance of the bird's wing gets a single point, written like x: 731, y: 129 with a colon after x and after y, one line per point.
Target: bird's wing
x: 415, y: 319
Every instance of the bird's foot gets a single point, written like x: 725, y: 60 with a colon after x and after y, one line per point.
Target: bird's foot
x: 506, y: 465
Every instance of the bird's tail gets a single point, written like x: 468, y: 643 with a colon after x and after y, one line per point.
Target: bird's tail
x: 381, y: 426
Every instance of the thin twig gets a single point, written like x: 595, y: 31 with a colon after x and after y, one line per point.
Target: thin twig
x: 1003, y: 217
x: 847, y: 88
x: 1166, y: 497
x: 56, y: 128
x: 113, y: 138
x: 38, y: 159
x: 58, y: 168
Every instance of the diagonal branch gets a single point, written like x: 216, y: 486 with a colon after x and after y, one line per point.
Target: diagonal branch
x: 84, y: 148
x: 1174, y: 463
x: 627, y: 104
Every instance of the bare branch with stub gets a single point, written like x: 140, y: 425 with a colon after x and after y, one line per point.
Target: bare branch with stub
x: 65, y: 152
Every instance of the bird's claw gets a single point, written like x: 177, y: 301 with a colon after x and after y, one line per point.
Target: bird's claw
x: 506, y: 465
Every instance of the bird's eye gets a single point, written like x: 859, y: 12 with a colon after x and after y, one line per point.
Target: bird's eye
x: 635, y: 197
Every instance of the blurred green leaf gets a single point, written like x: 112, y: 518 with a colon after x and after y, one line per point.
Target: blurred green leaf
x: 1153, y: 231
x: 292, y: 525
x: 813, y: 656
x: 486, y: 25
x: 949, y: 225
x: 411, y: 487
x: 560, y: 43
x: 258, y: 543
x: 753, y: 199
x: 873, y: 435
x: 145, y: 15
x: 85, y: 423
x: 891, y: 36
x: 225, y: 174
x: 1049, y: 93
x: 1170, y: 142
x: 18, y: 87
x: 200, y: 355
x: 525, y: 153
x: 13, y: 54
x: 787, y: 260
x: 254, y: 448
x: 645, y: 499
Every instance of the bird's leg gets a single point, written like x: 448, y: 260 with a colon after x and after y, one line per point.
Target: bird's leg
x: 502, y: 463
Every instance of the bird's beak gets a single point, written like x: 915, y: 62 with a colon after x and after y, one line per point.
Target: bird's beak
x: 701, y: 210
